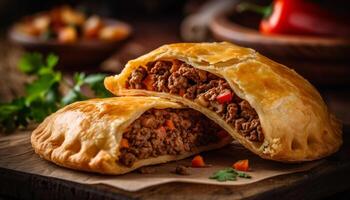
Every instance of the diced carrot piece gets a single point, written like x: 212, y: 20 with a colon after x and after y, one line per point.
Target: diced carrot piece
x: 222, y: 134
x: 170, y: 124
x: 175, y: 65
x: 148, y: 82
x: 198, y: 161
x: 241, y: 165
x: 182, y: 92
x: 124, y: 143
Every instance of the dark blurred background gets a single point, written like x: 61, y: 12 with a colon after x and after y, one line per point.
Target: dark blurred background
x: 11, y: 11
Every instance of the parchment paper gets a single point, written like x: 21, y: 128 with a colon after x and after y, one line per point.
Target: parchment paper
x: 16, y: 153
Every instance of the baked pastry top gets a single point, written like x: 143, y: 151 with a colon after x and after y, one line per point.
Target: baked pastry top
x: 293, y: 117
x: 90, y: 135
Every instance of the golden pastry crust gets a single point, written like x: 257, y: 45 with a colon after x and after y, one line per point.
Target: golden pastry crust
x: 86, y: 135
x: 295, y: 120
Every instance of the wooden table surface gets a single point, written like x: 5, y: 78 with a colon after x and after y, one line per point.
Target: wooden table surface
x: 328, y: 179
x: 325, y: 180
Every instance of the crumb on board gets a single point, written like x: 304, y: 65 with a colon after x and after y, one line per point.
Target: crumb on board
x: 146, y: 170
x: 181, y: 170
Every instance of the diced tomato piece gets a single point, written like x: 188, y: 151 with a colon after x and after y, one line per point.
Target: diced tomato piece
x: 124, y: 143
x: 170, y: 124
x: 241, y: 165
x: 182, y: 92
x: 224, y: 97
x: 161, y: 132
x: 222, y: 134
x: 148, y: 82
x: 198, y: 161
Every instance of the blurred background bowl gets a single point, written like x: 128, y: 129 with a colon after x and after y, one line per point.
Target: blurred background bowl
x: 322, y: 60
x: 242, y: 29
x: 78, y: 55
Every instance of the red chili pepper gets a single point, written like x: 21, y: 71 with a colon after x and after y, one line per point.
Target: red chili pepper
x: 224, y: 97
x: 298, y: 17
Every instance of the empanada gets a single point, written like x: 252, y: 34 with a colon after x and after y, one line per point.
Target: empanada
x: 267, y: 107
x: 118, y: 135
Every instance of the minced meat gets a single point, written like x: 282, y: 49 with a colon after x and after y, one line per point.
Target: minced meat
x: 177, y: 77
x: 166, y: 132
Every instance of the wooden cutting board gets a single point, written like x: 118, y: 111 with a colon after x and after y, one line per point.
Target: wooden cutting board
x: 330, y: 177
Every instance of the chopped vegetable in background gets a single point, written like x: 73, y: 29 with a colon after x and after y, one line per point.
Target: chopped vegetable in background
x: 298, y: 17
x: 66, y: 24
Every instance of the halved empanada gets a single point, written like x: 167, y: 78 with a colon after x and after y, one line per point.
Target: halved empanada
x: 118, y: 135
x: 266, y: 106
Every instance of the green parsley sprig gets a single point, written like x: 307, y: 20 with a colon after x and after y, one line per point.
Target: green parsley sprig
x: 43, y: 96
x: 228, y: 174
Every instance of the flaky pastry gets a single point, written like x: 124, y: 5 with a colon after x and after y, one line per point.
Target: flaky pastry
x: 118, y: 135
x: 267, y: 107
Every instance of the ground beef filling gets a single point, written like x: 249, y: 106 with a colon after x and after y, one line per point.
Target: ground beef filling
x: 177, y: 77
x: 167, y: 132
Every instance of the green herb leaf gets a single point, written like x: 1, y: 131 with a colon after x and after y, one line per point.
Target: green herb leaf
x: 42, y: 95
x: 51, y: 61
x: 39, y: 88
x: 11, y: 115
x: 79, y: 79
x: 243, y: 175
x: 95, y: 81
x: 72, y: 96
x: 265, y: 11
x: 31, y: 63
x: 228, y: 174
x: 94, y: 78
x: 40, y: 109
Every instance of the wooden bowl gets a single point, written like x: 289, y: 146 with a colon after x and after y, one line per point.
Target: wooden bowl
x: 323, y: 61
x: 242, y: 29
x: 77, y: 55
